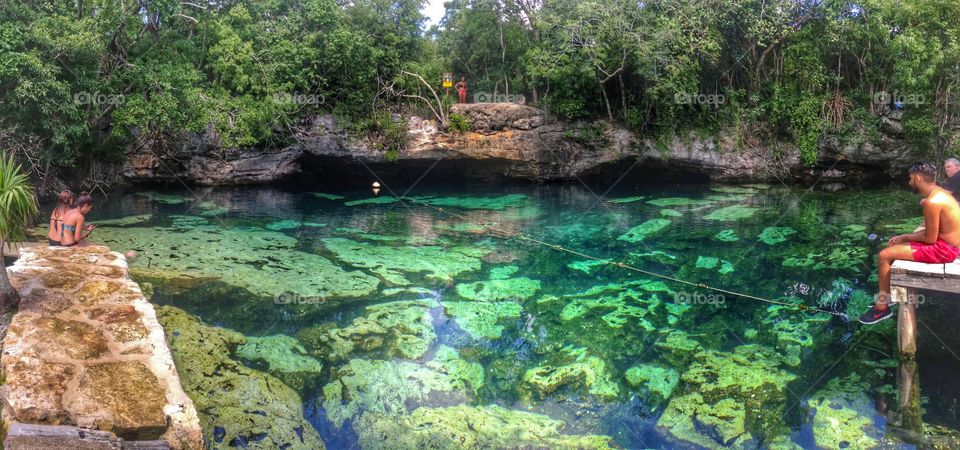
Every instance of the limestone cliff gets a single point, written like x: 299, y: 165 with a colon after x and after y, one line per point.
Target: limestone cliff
x: 513, y: 141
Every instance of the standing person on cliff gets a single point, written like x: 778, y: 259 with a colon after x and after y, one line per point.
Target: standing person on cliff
x: 952, y: 168
x: 19, y: 207
x: 462, y: 89
x: 936, y: 243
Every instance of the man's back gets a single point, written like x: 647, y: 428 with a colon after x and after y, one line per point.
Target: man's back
x: 949, y: 229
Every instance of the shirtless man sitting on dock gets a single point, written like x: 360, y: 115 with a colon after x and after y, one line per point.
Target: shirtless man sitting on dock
x: 936, y: 243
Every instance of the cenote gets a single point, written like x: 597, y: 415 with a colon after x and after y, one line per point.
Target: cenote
x: 370, y: 322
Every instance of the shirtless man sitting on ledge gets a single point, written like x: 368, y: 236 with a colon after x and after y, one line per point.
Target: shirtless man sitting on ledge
x: 936, y: 243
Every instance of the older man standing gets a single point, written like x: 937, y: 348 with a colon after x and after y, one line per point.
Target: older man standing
x: 952, y: 167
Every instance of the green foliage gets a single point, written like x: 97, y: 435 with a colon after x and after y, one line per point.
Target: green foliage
x: 459, y: 123
x: 17, y: 202
x: 385, y: 134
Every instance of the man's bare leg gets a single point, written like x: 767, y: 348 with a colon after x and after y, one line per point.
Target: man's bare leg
x: 885, y: 261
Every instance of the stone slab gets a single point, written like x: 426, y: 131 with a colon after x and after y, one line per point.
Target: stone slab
x: 85, y: 349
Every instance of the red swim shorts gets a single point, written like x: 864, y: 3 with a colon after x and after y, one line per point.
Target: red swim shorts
x: 938, y: 253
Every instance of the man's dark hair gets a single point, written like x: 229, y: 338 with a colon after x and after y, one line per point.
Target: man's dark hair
x: 926, y: 169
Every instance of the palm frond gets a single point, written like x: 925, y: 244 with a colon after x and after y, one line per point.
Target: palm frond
x: 18, y: 205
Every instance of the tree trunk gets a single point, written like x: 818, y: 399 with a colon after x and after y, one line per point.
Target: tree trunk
x: 9, y: 299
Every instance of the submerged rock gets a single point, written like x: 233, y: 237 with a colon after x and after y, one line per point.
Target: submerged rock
x: 690, y: 419
x: 285, y: 358
x: 391, y: 263
x: 654, y: 379
x: 238, y: 406
x: 776, y: 235
x: 640, y: 232
x: 731, y: 213
x: 520, y: 288
x: 841, y: 414
x: 402, y: 329
x: 574, y: 368
x: 470, y: 428
x: 480, y: 319
x: 262, y: 262
x: 395, y: 388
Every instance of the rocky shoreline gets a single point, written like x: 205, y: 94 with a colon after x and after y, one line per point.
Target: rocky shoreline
x: 511, y: 141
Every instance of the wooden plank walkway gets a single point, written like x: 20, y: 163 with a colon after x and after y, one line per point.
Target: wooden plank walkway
x: 907, y: 277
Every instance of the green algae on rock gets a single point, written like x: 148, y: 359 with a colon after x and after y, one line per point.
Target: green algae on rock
x: 327, y: 196
x: 846, y: 252
x: 710, y: 262
x: 731, y: 213
x: 519, y: 288
x: 587, y: 266
x: 677, y: 347
x: 572, y: 367
x: 678, y: 201
x: 395, y: 388
x: 735, y: 189
x: 654, y: 379
x: 480, y: 319
x: 776, y: 235
x: 618, y: 302
x: 470, y: 428
x: 391, y: 262
x: 285, y: 358
x: 262, y: 262
x: 635, y: 198
x: 403, y: 329
x: 503, y: 272
x: 247, y: 405
x: 490, y: 203
x: 385, y: 200
x: 124, y: 221
x: 288, y: 224
x: 167, y: 199
x: 841, y: 414
x: 726, y: 236
x: 690, y: 419
x: 640, y: 232
x: 670, y: 213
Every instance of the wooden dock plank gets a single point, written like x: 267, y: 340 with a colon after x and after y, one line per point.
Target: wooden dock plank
x: 917, y: 268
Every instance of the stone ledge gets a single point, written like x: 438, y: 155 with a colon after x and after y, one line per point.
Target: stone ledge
x: 85, y: 349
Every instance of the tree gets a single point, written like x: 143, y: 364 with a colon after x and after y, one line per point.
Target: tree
x: 17, y: 207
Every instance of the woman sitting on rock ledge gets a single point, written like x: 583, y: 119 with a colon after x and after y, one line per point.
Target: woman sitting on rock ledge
x: 73, y: 227
x: 64, y: 203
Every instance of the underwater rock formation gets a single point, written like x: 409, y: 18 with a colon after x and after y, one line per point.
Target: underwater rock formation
x: 470, y: 428
x: 841, y: 414
x: 285, y: 359
x: 265, y: 263
x: 520, y: 288
x: 401, y: 329
x: 656, y: 380
x: 729, y: 397
x: 572, y: 367
x: 238, y: 406
x: 395, y: 388
x: 390, y: 263
x: 481, y: 319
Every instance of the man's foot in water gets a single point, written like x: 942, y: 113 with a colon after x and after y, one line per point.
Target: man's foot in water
x: 874, y: 315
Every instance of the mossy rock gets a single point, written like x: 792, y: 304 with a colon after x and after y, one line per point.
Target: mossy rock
x: 776, y: 235
x: 574, y: 369
x: 677, y: 348
x: 731, y: 213
x: 520, y: 288
x: 396, y: 388
x: 692, y: 420
x: 655, y: 380
x: 728, y: 235
x: 402, y: 329
x: 642, y: 231
x: 284, y: 358
x: 391, y: 262
x: 482, y: 320
x: 236, y: 404
x: 841, y: 415
x: 471, y: 428
x: 266, y: 263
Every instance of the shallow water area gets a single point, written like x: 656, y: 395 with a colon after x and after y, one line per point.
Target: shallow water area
x: 494, y: 314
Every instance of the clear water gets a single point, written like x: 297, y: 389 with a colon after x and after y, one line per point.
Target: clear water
x: 576, y: 218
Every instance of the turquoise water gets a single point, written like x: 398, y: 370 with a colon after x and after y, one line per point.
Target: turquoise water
x: 383, y: 315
